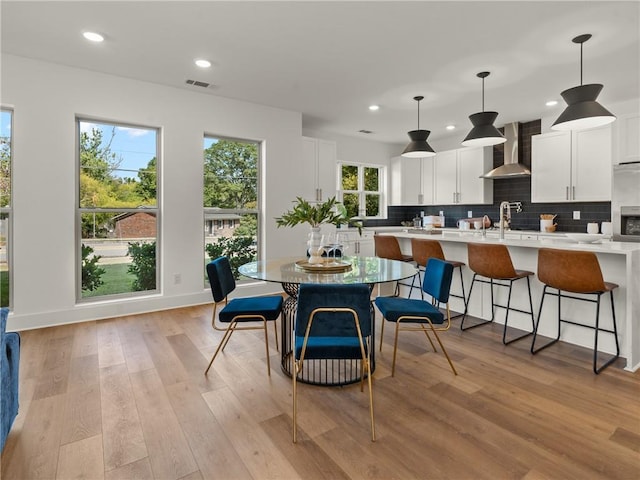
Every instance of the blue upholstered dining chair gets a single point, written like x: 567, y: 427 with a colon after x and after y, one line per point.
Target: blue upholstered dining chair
x: 239, y: 310
x: 333, y: 322
x: 9, y: 377
x: 417, y: 315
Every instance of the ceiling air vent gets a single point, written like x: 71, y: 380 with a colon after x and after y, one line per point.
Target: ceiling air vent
x: 365, y: 131
x: 197, y: 83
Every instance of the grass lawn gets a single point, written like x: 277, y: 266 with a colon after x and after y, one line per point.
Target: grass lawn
x: 4, y: 289
x: 116, y: 280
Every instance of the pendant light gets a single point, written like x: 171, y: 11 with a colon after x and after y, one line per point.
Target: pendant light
x: 483, y: 132
x: 583, y: 111
x: 418, y: 146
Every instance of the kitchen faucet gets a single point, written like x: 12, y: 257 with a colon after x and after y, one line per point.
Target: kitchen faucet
x: 505, y: 214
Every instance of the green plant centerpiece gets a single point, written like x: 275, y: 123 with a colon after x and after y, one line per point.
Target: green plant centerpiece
x: 331, y: 211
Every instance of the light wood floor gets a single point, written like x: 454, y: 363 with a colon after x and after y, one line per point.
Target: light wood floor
x: 127, y: 399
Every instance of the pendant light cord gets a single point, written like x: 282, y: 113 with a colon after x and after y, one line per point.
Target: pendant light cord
x: 581, y: 44
x: 483, y: 94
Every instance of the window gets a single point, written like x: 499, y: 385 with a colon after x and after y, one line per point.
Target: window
x: 6, y: 120
x: 231, y: 194
x: 118, y: 211
x: 360, y: 190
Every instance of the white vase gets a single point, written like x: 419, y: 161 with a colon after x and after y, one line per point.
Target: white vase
x: 315, y: 246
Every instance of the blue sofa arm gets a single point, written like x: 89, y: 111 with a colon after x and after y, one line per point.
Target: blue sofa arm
x: 9, y: 377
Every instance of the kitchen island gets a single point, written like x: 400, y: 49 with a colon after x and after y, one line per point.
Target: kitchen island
x: 619, y: 261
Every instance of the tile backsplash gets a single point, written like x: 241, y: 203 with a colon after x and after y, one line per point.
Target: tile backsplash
x: 512, y: 190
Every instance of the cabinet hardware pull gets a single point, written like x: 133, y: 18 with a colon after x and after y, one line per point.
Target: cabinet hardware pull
x: 566, y: 194
x: 574, y: 192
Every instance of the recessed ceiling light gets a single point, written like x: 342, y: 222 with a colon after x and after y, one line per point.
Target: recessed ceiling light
x: 373, y: 108
x: 93, y: 36
x: 203, y: 63
x: 450, y: 127
x: 551, y: 103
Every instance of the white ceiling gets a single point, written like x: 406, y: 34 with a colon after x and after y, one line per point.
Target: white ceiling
x: 331, y: 60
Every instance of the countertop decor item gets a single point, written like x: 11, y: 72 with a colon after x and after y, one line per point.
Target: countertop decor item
x: 483, y: 133
x: 418, y: 146
x: 331, y: 212
x: 583, y: 110
x: 546, y: 222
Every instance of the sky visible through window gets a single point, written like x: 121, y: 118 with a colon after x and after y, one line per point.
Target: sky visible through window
x: 5, y: 124
x: 135, y: 146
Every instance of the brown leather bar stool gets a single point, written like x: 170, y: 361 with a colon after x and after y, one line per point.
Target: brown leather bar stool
x: 493, y: 263
x: 575, y: 272
x: 422, y: 250
x: 387, y: 246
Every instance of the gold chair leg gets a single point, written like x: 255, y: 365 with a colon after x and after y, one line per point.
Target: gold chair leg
x: 225, y: 339
x: 443, y: 349
x: 373, y: 423
x: 266, y: 344
x: 295, y: 401
x: 382, y: 332
x: 395, y: 351
x: 275, y: 330
x: 426, y: 332
x: 231, y: 328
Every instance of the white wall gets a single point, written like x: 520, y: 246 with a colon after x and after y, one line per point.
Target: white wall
x: 46, y: 99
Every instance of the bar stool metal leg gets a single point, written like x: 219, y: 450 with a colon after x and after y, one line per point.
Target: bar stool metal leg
x: 466, y: 308
x: 463, y: 296
x: 597, y: 329
x: 508, y: 308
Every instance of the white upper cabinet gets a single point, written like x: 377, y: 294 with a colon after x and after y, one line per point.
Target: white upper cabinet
x: 446, y: 177
x: 320, y: 159
x: 572, y: 166
x: 457, y: 176
x: 411, y: 181
x: 550, y: 167
x: 628, y: 129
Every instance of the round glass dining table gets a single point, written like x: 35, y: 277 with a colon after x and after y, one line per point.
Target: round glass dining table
x: 291, y: 272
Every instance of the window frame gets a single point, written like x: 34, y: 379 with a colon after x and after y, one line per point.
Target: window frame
x: 362, y: 194
x: 8, y: 210
x: 80, y: 211
x: 258, y: 211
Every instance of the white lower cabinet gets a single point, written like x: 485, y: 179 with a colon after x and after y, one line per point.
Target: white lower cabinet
x: 359, y: 245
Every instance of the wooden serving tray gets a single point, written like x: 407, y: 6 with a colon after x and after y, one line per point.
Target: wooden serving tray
x: 329, y: 265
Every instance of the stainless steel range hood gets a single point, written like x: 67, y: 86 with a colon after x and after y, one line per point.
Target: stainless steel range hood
x: 511, y: 167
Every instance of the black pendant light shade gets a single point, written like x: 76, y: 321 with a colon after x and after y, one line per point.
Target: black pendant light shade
x: 583, y: 110
x: 483, y: 132
x: 418, y: 146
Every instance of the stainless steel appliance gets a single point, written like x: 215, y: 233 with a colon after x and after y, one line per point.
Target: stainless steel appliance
x: 625, y: 202
x: 630, y: 224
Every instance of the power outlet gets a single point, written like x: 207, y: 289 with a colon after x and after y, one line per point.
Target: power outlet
x: 576, y: 214
x: 469, y: 214
x: 177, y: 279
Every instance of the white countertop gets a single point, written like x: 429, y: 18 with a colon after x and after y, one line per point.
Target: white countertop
x: 515, y: 238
